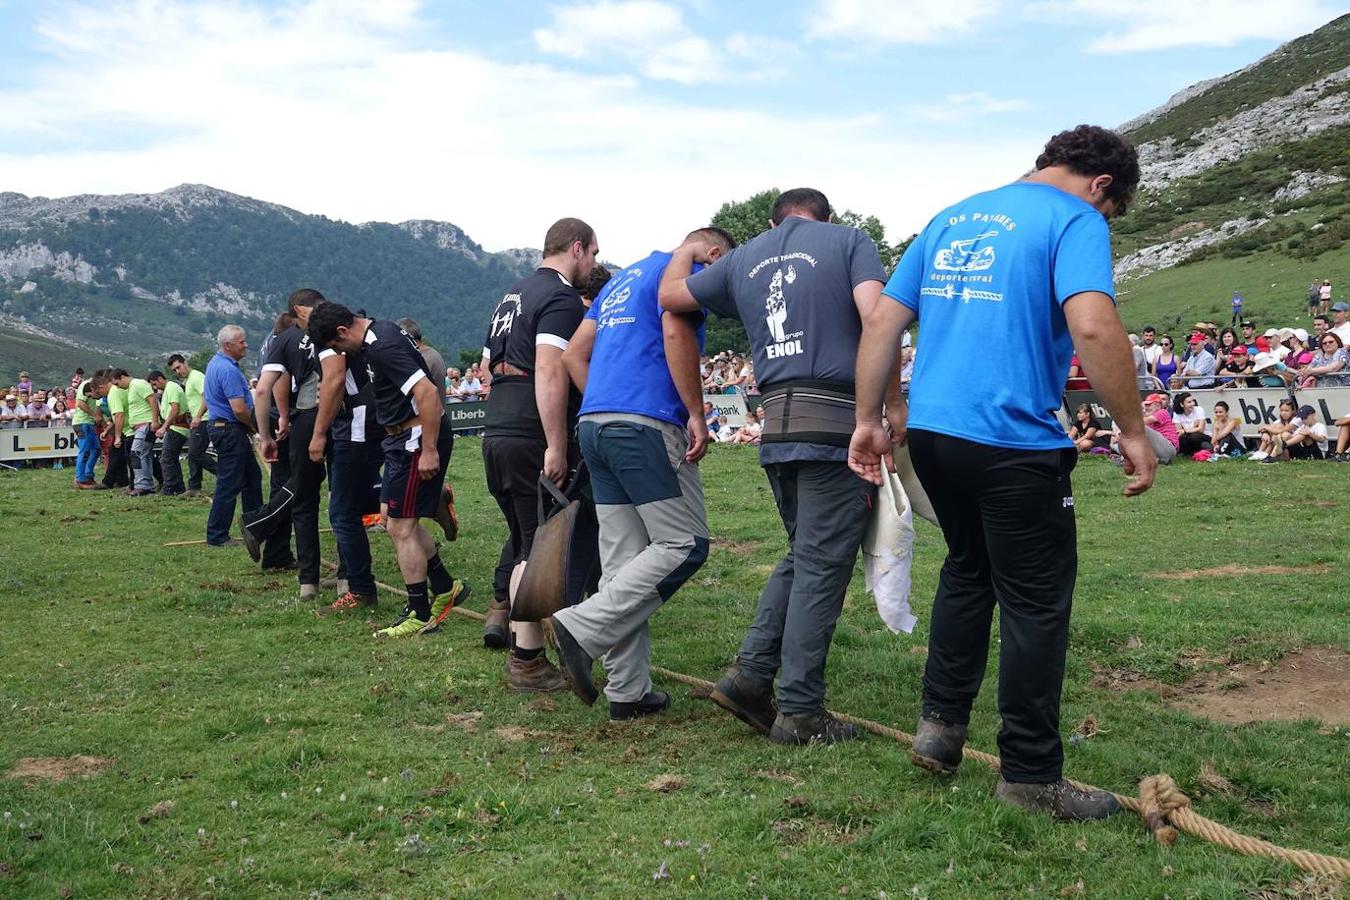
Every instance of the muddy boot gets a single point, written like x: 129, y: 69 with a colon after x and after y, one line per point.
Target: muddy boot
x: 814, y: 727
x: 497, y: 628
x: 575, y: 661
x: 745, y: 698
x: 1060, y: 799
x: 309, y: 593
x: 533, y: 676
x: 937, y: 746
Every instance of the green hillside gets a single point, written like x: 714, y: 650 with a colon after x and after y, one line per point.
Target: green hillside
x: 48, y: 362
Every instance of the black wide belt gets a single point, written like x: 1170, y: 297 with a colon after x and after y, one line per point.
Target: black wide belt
x: 808, y: 411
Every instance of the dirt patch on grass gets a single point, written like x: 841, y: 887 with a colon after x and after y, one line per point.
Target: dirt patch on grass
x: 741, y: 548
x: 1309, y: 887
x: 1311, y: 684
x: 515, y: 734
x: 1231, y: 570
x: 58, y: 768
x: 815, y: 830
x: 665, y: 784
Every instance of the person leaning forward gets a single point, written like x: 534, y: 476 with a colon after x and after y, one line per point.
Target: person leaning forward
x: 800, y: 288
x: 1030, y: 262
x: 642, y: 434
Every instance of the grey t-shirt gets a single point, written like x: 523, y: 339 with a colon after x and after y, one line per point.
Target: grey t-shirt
x: 792, y: 287
x: 436, y: 366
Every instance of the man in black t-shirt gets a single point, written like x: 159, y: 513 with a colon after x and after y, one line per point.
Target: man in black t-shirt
x: 530, y: 426
x: 290, y: 376
x: 345, y: 435
x: 417, y: 449
x: 798, y: 288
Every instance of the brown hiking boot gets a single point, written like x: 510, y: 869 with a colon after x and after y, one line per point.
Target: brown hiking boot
x: 749, y: 700
x: 1060, y: 799
x: 815, y: 727
x: 497, y: 628
x: 937, y: 746
x: 538, y: 675
x: 347, y: 603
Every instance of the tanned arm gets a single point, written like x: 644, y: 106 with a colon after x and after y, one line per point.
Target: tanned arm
x: 680, y: 333
x: 332, y: 378
x: 674, y: 292
x: 429, y: 411
x: 577, y: 356
x: 550, y: 396
x: 877, y: 379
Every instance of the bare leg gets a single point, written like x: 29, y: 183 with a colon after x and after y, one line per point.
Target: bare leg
x: 528, y: 635
x: 412, y: 560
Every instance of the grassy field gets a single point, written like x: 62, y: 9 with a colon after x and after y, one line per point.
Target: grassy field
x: 254, y: 751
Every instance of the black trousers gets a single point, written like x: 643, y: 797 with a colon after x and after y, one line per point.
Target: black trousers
x: 199, y: 442
x: 118, y: 471
x: 1008, y: 519
x: 294, y: 501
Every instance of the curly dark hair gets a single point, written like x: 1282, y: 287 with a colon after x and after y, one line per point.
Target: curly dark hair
x: 1092, y: 150
x: 595, y: 282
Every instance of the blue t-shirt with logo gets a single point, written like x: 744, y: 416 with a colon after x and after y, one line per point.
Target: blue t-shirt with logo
x: 987, y: 279
x: 628, y: 371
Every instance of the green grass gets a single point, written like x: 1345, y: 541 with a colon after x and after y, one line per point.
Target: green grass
x: 303, y: 758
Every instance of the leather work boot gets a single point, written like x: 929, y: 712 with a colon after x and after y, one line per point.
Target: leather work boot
x: 575, y: 661
x: 937, y: 746
x: 651, y: 703
x: 814, y: 727
x: 309, y: 592
x: 745, y: 698
x: 497, y: 628
x: 1060, y: 799
x: 535, y: 676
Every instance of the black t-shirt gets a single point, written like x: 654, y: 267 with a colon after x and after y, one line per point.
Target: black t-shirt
x: 541, y: 309
x: 358, y: 399
x: 394, y: 365
x: 292, y: 354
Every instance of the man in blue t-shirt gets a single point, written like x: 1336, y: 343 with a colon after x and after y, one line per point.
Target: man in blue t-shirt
x: 642, y: 433
x: 800, y: 289
x: 1030, y: 262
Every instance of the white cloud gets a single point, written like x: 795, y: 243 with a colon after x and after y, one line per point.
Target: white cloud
x: 333, y: 109
x: 965, y: 106
x: 1136, y: 25
x: 898, y: 21
x: 653, y: 38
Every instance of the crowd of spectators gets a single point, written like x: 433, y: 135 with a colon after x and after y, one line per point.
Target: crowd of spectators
x: 27, y: 406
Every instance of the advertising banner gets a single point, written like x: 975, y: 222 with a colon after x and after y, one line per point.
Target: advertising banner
x: 19, y: 444
x: 731, y: 406
x: 1253, y: 406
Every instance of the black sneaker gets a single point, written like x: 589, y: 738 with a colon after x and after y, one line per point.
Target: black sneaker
x: 573, y: 660
x: 653, y: 702
x: 815, y: 727
x: 749, y: 700
x: 1060, y: 799
x: 250, y: 542
x: 937, y: 746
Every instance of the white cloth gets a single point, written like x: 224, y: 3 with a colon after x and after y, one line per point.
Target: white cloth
x: 888, y: 542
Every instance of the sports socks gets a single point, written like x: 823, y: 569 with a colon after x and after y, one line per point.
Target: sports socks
x: 438, y: 577
x: 417, y: 600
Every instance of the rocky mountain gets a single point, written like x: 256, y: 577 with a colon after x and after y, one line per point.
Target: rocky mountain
x: 1254, y: 162
x: 138, y: 275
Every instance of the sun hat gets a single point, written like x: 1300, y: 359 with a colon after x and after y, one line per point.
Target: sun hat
x: 1271, y: 332
x: 1264, y: 361
x: 1301, y: 334
x: 11, y: 397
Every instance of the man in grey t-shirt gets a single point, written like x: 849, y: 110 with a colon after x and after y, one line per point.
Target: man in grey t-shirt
x: 799, y: 289
x: 430, y: 355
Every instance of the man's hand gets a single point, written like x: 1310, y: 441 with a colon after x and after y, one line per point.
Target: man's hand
x: 159, y: 432
x: 869, y: 446
x: 268, y: 448
x: 283, y: 427
x: 196, y: 420
x: 897, y: 417
x: 555, y: 465
x: 117, y: 441
x: 698, y: 438
x: 1140, y: 462
x: 428, y: 463
x: 317, y: 445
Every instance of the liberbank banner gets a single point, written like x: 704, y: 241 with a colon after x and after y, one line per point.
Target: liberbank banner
x: 1254, y: 407
x: 471, y: 417
x: 19, y: 444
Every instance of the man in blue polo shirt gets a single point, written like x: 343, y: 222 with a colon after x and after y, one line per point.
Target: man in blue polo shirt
x: 229, y: 402
x: 642, y: 433
x: 1030, y: 262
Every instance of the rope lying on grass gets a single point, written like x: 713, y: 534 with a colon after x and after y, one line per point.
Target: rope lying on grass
x: 1159, y: 803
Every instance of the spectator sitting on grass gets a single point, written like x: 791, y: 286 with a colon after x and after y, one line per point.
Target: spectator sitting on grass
x: 1191, y: 423
x: 1272, y: 436
x: 1342, y: 453
x: 711, y: 419
x: 1225, y: 433
x: 1329, y: 367
x: 724, y: 433
x: 1162, y: 434
x: 749, y: 432
x: 1086, y: 432
x: 1309, y: 440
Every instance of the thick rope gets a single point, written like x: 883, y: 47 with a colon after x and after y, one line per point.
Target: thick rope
x: 1160, y: 803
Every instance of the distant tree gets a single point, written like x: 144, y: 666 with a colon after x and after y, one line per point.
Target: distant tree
x: 200, y: 359
x: 468, y: 358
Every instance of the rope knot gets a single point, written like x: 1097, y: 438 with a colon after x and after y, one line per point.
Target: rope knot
x: 1159, y: 797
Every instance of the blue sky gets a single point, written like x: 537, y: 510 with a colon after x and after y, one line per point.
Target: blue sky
x: 641, y: 116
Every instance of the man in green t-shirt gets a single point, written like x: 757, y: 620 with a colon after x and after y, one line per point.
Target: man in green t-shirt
x: 118, y: 473
x: 87, y: 420
x: 143, y: 418
x: 173, y: 431
x: 199, y: 441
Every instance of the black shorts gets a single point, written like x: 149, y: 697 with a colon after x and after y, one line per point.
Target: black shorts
x: 407, y: 495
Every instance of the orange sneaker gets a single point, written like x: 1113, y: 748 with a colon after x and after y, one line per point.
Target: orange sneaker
x: 348, y: 602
